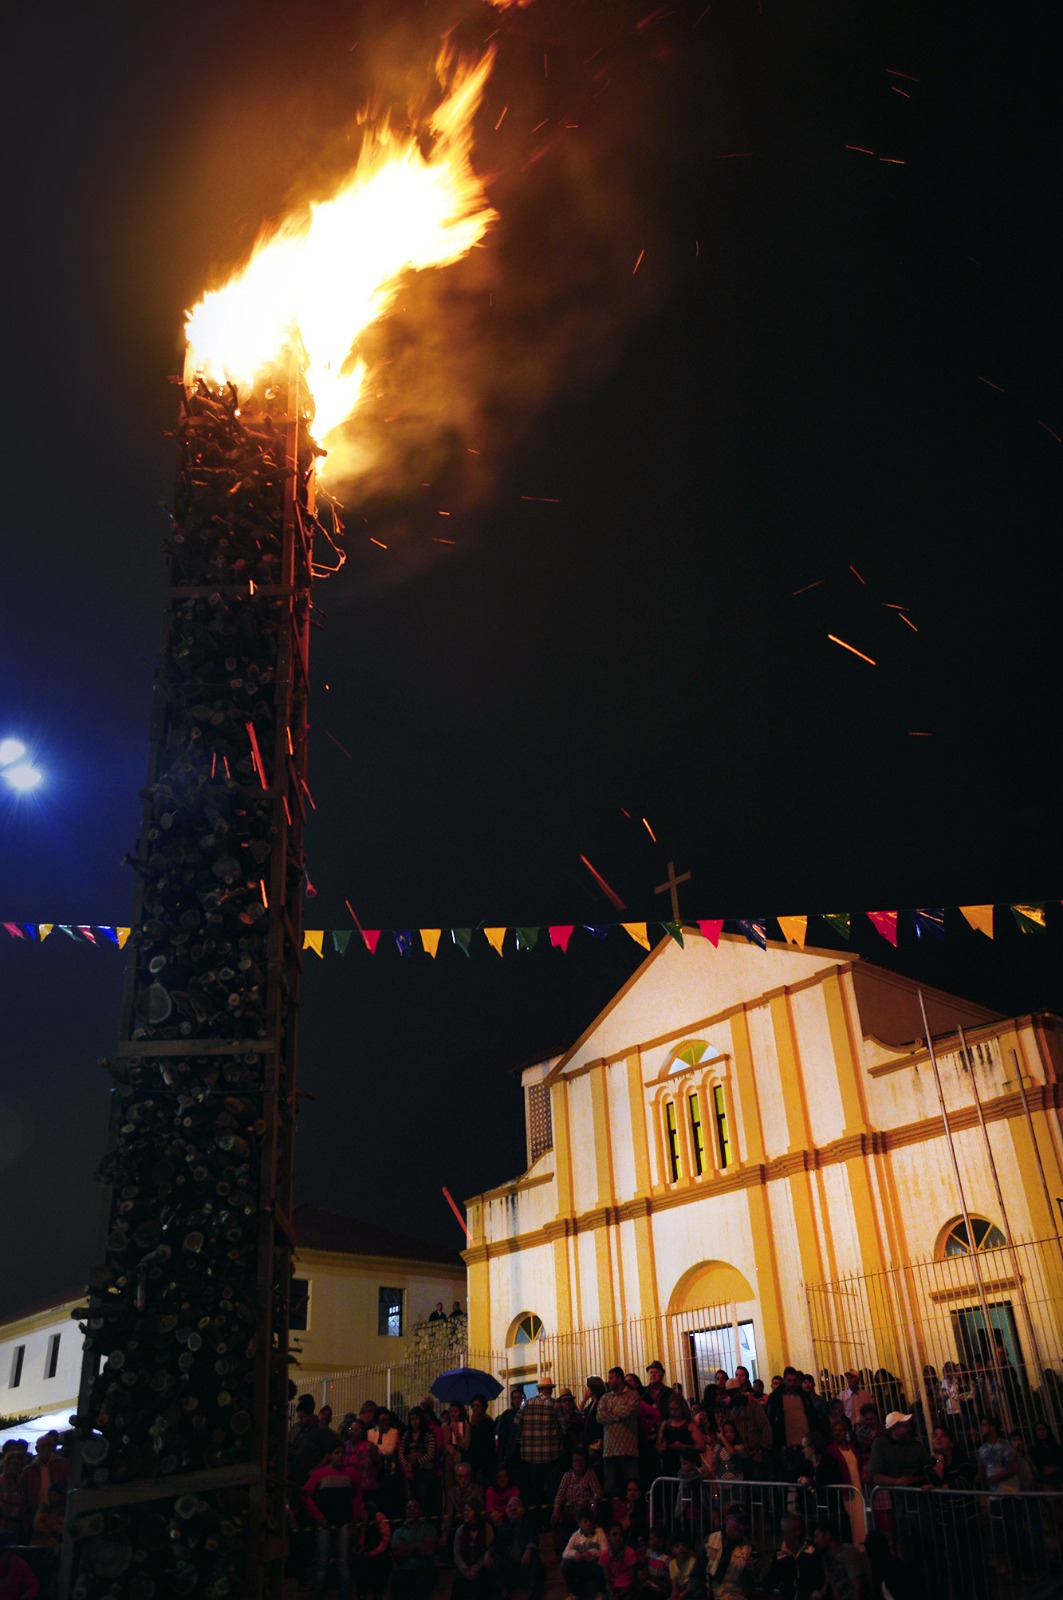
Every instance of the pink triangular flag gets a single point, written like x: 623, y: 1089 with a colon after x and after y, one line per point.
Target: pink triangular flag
x: 86, y: 932
x: 561, y: 935
x: 372, y: 939
x: 711, y: 931
x: 885, y: 923
x: 14, y: 930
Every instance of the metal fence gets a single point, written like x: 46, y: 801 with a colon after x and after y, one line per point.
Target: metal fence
x: 996, y: 1316
x: 399, y: 1385
x: 691, y: 1345
x: 963, y: 1544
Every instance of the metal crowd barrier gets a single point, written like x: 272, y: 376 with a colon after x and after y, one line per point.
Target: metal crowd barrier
x: 965, y: 1544
x: 971, y: 1544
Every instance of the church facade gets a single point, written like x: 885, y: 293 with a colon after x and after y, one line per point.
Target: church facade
x: 744, y: 1159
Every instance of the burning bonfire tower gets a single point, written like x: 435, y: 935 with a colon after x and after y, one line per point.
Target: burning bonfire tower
x: 183, y: 1405
x: 180, y: 1482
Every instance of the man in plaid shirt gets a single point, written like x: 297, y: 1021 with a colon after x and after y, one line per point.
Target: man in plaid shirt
x: 540, y: 1431
x: 618, y: 1412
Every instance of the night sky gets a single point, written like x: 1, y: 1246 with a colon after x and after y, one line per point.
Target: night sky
x: 789, y: 387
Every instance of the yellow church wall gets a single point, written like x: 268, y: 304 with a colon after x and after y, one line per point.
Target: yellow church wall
x: 819, y: 1071
x: 771, y: 1097
x: 584, y: 1167
x: 621, y: 1138
x: 521, y: 1281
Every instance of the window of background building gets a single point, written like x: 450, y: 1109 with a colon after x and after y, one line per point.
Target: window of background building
x: 540, y: 1121
x: 51, y: 1359
x: 299, y: 1305
x: 18, y: 1355
x: 389, y: 1313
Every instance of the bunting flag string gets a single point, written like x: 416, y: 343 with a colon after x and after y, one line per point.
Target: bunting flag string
x: 927, y: 922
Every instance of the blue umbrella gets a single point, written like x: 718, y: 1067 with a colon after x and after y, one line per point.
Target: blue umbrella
x: 458, y: 1386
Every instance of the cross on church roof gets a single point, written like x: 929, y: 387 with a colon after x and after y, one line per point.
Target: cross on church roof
x: 671, y: 886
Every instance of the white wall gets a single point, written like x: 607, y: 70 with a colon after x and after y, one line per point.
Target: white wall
x: 36, y: 1393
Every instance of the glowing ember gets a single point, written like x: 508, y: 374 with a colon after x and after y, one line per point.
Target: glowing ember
x: 327, y: 276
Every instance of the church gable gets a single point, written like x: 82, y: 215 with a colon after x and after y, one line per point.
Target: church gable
x: 677, y: 988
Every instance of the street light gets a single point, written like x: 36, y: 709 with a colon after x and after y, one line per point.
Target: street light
x: 18, y: 774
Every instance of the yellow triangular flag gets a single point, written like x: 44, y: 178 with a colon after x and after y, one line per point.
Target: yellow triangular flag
x: 314, y: 939
x: 122, y: 934
x: 44, y: 929
x: 794, y: 930
x: 980, y: 918
x: 638, y: 932
x: 430, y: 939
x: 494, y: 937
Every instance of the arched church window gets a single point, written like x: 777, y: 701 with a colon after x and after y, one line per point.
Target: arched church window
x: 723, y: 1132
x: 983, y: 1235
x: 697, y: 1132
x: 671, y: 1129
x: 528, y: 1329
x: 693, y: 1053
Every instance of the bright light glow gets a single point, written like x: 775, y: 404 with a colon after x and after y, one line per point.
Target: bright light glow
x: 22, y: 777
x: 329, y: 275
x: 11, y: 750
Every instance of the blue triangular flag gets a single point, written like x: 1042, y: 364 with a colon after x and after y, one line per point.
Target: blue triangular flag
x: 108, y: 933
x: 595, y: 933
x: 404, y: 940
x: 930, y: 919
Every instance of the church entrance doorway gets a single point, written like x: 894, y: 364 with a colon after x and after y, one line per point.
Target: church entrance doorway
x: 722, y: 1348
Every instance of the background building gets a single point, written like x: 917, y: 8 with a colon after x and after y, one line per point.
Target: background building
x: 359, y: 1294
x: 744, y: 1159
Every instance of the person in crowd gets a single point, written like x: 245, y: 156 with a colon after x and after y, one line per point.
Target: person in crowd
x: 1026, y: 1472
x: 821, y: 1470
x: 686, y: 1506
x: 955, y: 1397
x: 757, y: 1389
x: 457, y: 1309
x: 12, y: 1505
x: 309, y: 1441
x: 791, y: 1415
x: 618, y: 1413
x: 481, y: 1452
x: 362, y: 1457
x: 649, y: 1421
x: 752, y: 1427
x: 541, y: 1440
x: 866, y: 1431
x: 571, y: 1422
x: 657, y: 1391
x: 438, y: 1315
x: 579, y: 1490
x: 385, y: 1439
x: 950, y: 1465
x: 50, y: 1518
x: 681, y: 1569
x: 38, y: 1475
x: 851, y: 1473
x: 455, y: 1443
x: 888, y: 1392
x: 656, y: 1582
x: 715, y: 1394
x: 17, y: 1578
x: 632, y: 1515
x: 847, y: 1569
x: 817, y: 1401
x: 506, y: 1433
x: 369, y: 1414
x: 898, y: 1460
x: 673, y: 1435
x: 729, y: 1455
x: 1046, y: 1456
x: 413, y: 1548
x: 473, y: 1539
x: 515, y: 1559
x: 498, y: 1496
x: 998, y: 1463
x: 332, y: 1500
x: 324, y: 1416
x: 731, y: 1562
x: 593, y: 1431
x: 796, y: 1570
x: 890, y: 1576
x: 417, y: 1459
x: 619, y: 1564
x: 854, y: 1396
x: 373, y: 1559
x: 464, y: 1491
x: 581, y: 1565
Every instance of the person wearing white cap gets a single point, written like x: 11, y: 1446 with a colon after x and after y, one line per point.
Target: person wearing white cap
x: 900, y: 1461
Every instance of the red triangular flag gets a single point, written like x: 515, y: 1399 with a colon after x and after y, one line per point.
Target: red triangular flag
x: 86, y: 932
x: 372, y: 938
x: 561, y: 936
x: 711, y: 931
x: 14, y: 930
x: 886, y: 924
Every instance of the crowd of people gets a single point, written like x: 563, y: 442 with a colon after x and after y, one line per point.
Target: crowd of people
x: 392, y: 1503
x: 33, y: 1488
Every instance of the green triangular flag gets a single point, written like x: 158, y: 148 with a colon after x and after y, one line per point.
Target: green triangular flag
x: 675, y: 929
x: 462, y: 938
x: 527, y: 938
x: 340, y: 940
x: 1031, y: 918
x: 839, y: 921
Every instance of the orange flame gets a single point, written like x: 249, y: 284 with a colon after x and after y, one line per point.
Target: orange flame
x: 326, y: 277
